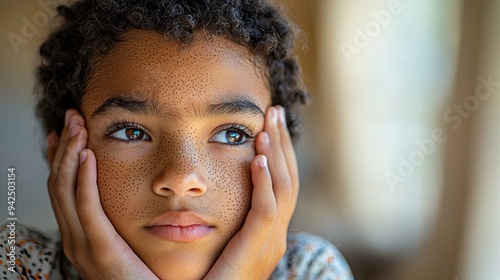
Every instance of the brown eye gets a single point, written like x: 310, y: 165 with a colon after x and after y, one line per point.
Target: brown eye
x: 134, y: 133
x: 130, y: 132
x: 234, y: 137
x: 231, y: 136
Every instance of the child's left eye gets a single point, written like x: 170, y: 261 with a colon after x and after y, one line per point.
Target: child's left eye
x: 230, y: 136
x: 233, y: 135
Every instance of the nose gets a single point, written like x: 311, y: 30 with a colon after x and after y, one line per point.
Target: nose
x: 172, y: 183
x: 181, y: 173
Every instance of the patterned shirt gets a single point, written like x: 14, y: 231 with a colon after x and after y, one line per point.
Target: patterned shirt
x: 40, y: 257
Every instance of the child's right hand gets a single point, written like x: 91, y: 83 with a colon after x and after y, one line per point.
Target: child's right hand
x: 89, y: 240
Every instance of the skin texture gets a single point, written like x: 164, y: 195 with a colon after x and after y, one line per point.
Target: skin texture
x: 179, y: 169
x: 178, y: 164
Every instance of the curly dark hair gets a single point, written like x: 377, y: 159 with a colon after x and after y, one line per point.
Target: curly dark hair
x: 91, y: 27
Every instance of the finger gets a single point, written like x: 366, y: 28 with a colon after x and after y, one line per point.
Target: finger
x: 62, y: 139
x: 64, y: 187
x: 52, y: 144
x: 277, y: 162
x: 96, y: 225
x: 61, y: 183
x: 263, y: 209
x: 71, y: 119
x: 284, y: 211
x: 289, y: 153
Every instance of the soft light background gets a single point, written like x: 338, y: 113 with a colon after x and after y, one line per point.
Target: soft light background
x: 386, y: 76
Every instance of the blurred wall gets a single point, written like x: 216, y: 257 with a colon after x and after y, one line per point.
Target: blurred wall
x: 480, y: 248
x: 402, y: 166
x: 21, y: 146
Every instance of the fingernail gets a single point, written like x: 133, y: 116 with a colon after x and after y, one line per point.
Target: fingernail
x: 74, y: 130
x: 262, y: 162
x: 83, y: 156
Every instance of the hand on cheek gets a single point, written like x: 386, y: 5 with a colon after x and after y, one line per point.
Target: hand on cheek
x: 256, y: 249
x: 89, y: 239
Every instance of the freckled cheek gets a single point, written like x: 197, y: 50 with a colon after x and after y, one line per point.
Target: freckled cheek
x: 233, y: 187
x: 119, y: 181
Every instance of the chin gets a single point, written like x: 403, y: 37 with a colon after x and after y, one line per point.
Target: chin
x: 180, y: 265
x: 191, y: 272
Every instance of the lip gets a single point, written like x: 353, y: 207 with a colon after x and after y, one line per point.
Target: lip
x: 180, y: 227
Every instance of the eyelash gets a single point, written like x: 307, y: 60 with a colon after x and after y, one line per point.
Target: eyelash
x: 115, y: 125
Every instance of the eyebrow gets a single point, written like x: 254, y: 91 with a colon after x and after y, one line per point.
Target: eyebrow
x: 236, y: 105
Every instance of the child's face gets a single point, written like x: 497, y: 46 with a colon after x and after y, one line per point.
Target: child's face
x: 188, y: 112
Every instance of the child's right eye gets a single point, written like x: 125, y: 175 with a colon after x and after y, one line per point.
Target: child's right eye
x: 129, y: 132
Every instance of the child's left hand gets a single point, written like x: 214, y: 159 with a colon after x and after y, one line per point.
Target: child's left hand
x: 256, y: 249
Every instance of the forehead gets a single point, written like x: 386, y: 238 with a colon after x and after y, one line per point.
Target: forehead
x: 146, y: 66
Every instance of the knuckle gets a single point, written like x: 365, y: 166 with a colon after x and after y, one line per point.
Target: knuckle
x: 58, y: 191
x: 269, y: 215
x: 84, y: 212
x: 284, y: 190
x: 69, y: 153
x: 71, y: 147
x: 67, y: 168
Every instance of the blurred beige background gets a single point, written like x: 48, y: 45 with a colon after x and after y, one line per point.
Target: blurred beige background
x: 400, y: 165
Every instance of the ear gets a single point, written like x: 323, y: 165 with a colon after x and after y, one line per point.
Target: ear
x: 52, y: 145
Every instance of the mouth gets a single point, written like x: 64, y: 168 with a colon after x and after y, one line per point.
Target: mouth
x: 181, y: 227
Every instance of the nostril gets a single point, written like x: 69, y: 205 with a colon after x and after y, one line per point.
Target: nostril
x: 164, y: 191
x: 196, y: 190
